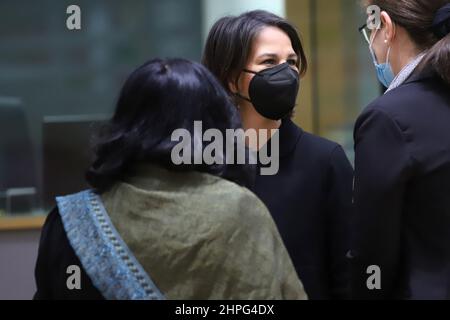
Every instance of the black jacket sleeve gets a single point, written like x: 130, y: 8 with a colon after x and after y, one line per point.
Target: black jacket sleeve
x: 339, y: 214
x: 382, y: 166
x: 54, y: 257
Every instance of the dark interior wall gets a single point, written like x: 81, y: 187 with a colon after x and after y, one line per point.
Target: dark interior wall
x: 54, y: 71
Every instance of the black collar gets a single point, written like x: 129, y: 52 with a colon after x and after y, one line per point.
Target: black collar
x: 289, y: 135
x: 422, y: 73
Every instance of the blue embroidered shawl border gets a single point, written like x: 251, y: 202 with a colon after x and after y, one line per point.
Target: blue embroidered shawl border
x: 111, y: 266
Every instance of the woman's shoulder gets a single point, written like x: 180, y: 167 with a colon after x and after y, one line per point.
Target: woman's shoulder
x: 197, y: 192
x: 319, y: 143
x: 393, y: 101
x: 234, y: 195
x: 294, y: 139
x: 415, y: 99
x: 320, y: 150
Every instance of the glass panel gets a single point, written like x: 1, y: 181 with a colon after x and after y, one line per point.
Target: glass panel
x: 57, y: 84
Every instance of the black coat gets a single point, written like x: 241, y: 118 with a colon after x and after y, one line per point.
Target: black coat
x: 54, y: 257
x: 402, y: 192
x: 310, y: 201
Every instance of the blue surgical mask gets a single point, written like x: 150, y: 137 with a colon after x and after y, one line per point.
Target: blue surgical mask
x: 384, y: 70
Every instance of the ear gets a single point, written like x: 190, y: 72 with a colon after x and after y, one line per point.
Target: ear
x: 232, y: 87
x: 388, y: 26
x: 232, y: 84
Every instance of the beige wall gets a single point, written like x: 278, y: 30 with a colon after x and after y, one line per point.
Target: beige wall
x: 297, y: 11
x: 341, y: 80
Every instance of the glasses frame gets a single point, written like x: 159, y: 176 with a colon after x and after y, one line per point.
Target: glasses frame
x: 363, y: 31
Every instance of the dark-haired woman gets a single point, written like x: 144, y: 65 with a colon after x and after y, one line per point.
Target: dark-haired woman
x: 259, y: 59
x: 152, y: 229
x: 402, y: 143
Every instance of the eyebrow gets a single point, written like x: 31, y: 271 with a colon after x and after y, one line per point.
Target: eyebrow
x: 273, y: 55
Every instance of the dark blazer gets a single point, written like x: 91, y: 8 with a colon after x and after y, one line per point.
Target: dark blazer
x: 402, y: 192
x: 310, y: 201
x: 55, y: 255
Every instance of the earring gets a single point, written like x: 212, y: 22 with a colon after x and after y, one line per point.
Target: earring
x: 385, y: 41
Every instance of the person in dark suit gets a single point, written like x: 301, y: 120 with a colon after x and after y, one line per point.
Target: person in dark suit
x: 259, y: 59
x: 401, y: 245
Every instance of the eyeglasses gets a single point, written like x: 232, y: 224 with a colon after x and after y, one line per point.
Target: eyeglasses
x: 365, y: 31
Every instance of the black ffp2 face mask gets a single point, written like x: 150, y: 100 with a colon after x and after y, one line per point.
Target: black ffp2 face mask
x: 273, y: 92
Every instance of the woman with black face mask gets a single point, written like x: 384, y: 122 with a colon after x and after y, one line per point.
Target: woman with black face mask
x: 259, y: 59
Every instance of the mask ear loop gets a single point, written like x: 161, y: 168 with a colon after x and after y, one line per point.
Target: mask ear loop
x: 373, y: 52
x: 237, y: 94
x: 371, y: 48
x: 388, y: 55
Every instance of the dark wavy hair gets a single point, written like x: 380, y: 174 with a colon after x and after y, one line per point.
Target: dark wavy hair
x: 158, y: 98
x: 230, y: 40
